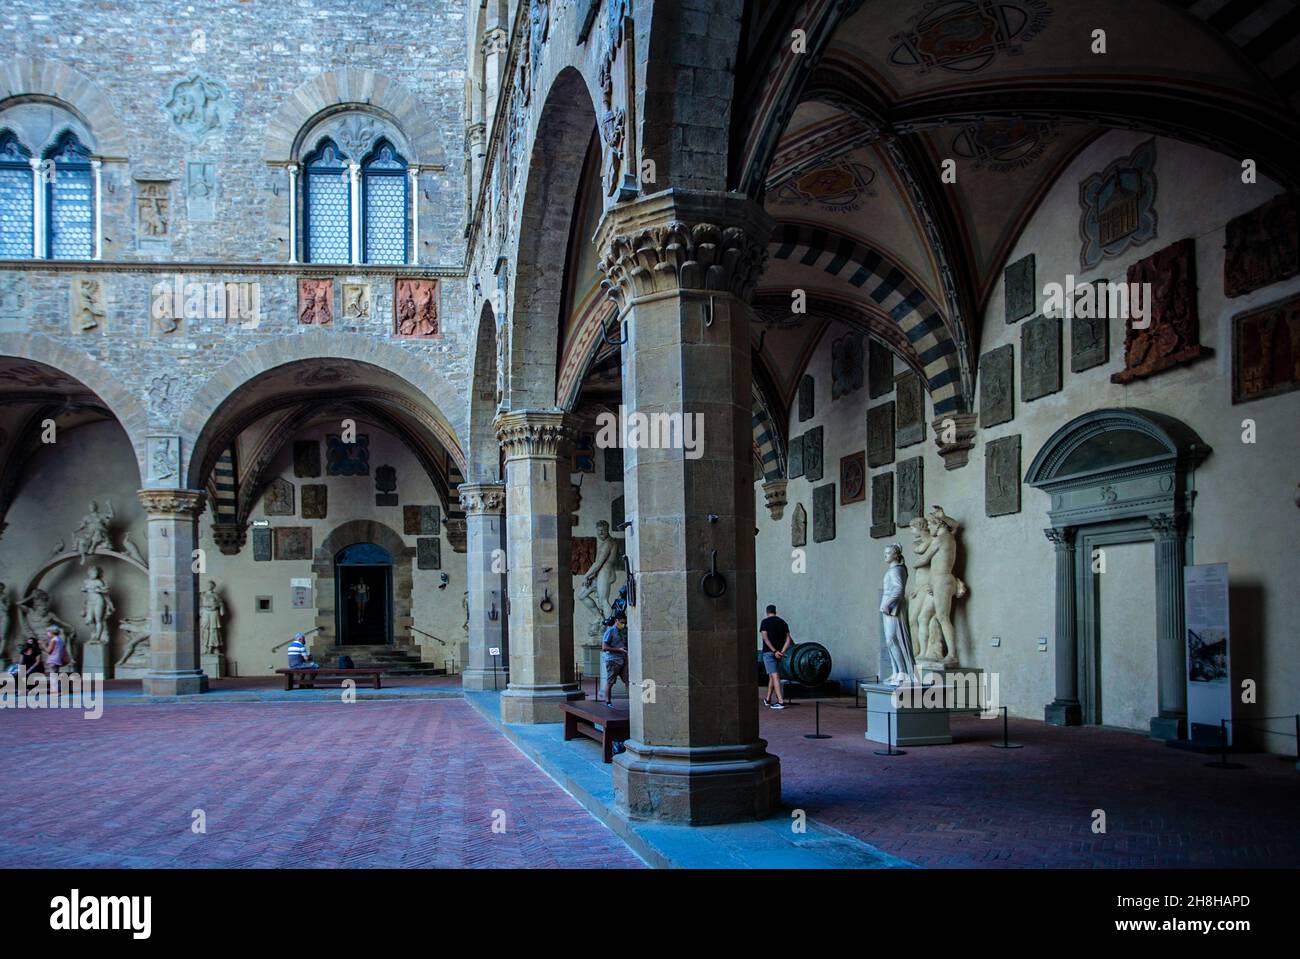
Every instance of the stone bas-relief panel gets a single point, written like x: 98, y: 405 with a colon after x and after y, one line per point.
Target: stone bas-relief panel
x: 1018, y: 289
x: 261, y: 544
x: 880, y: 369
x: 911, y: 489
x: 1040, y: 358
x: 421, y: 520
x: 1170, y: 332
x: 1262, y: 246
x: 846, y: 365
x: 200, y: 191
x: 794, y: 458
x: 880, y: 434
x: 582, y: 554
x: 1090, y: 327
x: 293, y: 542
x: 356, y: 302
x: 164, y: 454
x: 416, y: 308
x: 799, y: 526
x: 824, y: 513
x: 315, y: 301
x: 909, y: 413
x: 997, y: 386
x: 152, y: 214
x: 428, y: 553
x: 306, y: 459
x: 315, y: 501
x: 1266, y: 351
x: 882, y: 505
x: 853, y: 478
x: 807, y: 398
x: 1002, y: 476
x: 812, y: 454
x: 89, y: 301
x: 278, y: 499
x: 347, y: 459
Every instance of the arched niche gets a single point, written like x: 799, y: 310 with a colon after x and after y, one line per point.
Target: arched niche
x: 1117, y: 476
x: 353, y: 533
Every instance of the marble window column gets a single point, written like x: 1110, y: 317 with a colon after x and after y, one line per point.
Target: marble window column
x: 173, y: 529
x: 538, y: 446
x: 485, y: 506
x: 681, y: 266
x: 1065, y: 709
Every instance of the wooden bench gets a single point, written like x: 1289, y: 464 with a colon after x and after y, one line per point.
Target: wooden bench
x: 582, y: 718
x: 306, y: 678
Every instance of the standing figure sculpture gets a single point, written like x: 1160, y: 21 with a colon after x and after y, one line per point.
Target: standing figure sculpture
x: 360, y: 596
x: 599, y: 578
x: 97, y: 606
x: 92, y: 534
x: 212, y: 608
x: 898, y: 644
x: 941, y: 556
x: 920, y: 604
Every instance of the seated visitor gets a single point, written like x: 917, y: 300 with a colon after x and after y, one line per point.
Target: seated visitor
x: 298, y: 654
x: 30, y: 657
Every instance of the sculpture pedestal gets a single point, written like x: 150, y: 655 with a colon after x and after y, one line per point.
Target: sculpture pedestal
x: 970, y: 691
x: 95, y: 660
x: 214, y: 665
x: 907, y: 722
x: 137, y: 667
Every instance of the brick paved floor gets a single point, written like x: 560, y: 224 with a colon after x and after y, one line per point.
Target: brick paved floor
x: 969, y: 805
x: 387, y: 784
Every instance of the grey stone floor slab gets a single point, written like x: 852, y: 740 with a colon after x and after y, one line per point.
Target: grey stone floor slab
x: 765, y: 844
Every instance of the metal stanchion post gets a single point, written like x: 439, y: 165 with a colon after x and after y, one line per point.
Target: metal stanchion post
x: 1004, y: 744
x: 1223, y: 750
x: 818, y: 734
x: 889, y: 739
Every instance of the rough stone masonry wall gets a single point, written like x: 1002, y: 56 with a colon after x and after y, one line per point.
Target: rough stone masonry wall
x: 262, y: 53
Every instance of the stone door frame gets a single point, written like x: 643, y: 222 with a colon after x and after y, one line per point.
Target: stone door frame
x: 1132, y: 480
x: 349, y: 534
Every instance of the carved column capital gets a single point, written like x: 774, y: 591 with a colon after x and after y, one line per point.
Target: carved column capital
x: 229, y: 537
x: 534, y: 433
x: 172, y: 502
x: 1062, y: 537
x: 954, y: 435
x: 1167, y: 525
x: 774, y: 497
x: 682, y: 241
x: 483, y: 498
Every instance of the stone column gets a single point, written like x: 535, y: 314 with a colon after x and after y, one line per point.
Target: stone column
x: 1168, y: 531
x: 485, y: 528
x: 1065, y: 709
x: 537, y: 445
x: 173, y: 521
x: 681, y: 267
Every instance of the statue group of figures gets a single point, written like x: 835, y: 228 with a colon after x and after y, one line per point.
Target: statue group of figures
x: 927, y: 635
x: 93, y: 534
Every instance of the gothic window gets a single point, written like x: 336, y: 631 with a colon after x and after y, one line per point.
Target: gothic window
x: 16, y: 201
x: 384, y: 205
x: 327, y: 206
x: 69, y: 201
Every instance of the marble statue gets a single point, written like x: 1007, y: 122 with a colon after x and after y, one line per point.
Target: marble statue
x: 6, y: 608
x: 941, y: 555
x: 599, y: 578
x: 137, y: 632
x: 92, y: 534
x: 212, y: 608
x: 97, y: 607
x: 920, y: 604
x: 131, y: 550
x: 38, y: 617
x: 898, y: 644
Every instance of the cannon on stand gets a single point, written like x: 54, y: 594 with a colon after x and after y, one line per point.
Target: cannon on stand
x: 807, y: 666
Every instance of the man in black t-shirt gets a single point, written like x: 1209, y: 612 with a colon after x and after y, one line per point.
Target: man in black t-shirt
x: 775, y: 632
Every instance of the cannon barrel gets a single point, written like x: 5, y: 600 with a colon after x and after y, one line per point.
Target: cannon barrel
x: 806, y: 663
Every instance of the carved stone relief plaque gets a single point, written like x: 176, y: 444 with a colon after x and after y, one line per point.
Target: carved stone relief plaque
x: 1002, y: 476
x: 997, y: 386
x: 807, y: 399
x: 1040, y: 358
x: 1090, y: 327
x: 824, y: 513
x: 880, y: 369
x: 909, y: 414
x: 853, y: 478
x: 1262, y: 246
x: 799, y: 526
x: 1018, y: 288
x: 882, y: 505
x: 278, y: 499
x: 846, y: 365
x: 911, y: 489
x: 1166, y: 333
x: 315, y: 501
x: 880, y: 434
x: 812, y: 454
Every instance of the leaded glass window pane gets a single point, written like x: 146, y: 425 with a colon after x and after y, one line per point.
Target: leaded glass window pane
x: 385, y: 205
x: 15, y: 199
x: 71, y: 202
x: 327, y: 202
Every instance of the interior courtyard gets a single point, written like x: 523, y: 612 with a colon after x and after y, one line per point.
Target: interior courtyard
x: 963, y: 336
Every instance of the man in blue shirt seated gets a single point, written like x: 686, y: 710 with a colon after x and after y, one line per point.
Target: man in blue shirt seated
x: 298, y: 654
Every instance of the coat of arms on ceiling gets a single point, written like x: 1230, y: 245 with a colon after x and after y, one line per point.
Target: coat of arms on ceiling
x: 965, y: 36
x: 1118, y: 206
x: 1003, y: 146
x: 838, y: 186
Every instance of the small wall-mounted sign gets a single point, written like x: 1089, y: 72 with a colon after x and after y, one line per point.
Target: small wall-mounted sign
x: 1042, y: 644
x: 261, y: 523
x: 494, y: 650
